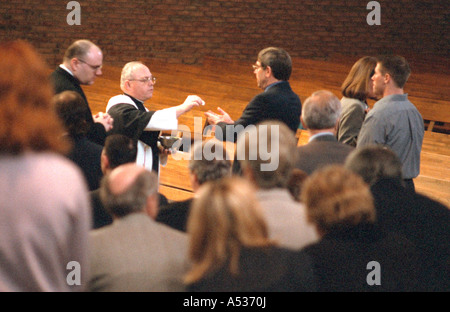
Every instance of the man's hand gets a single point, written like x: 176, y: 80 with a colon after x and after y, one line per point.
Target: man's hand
x: 189, y: 103
x: 105, y: 119
x: 214, y: 118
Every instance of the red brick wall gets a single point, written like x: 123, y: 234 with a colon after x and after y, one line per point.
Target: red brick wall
x: 187, y: 30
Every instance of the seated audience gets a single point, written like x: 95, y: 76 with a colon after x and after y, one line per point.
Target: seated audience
x: 353, y: 253
x: 356, y: 89
x: 320, y: 116
x: 45, y: 213
x: 230, y: 248
x: 209, y: 162
x: 270, y: 172
x: 422, y: 220
x: 72, y: 110
x: 135, y: 253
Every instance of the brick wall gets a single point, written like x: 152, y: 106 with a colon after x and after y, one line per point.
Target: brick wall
x: 187, y: 30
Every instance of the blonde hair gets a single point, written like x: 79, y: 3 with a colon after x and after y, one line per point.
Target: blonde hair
x: 336, y: 197
x: 223, y: 218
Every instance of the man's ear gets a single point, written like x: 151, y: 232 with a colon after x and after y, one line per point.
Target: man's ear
x: 104, y: 162
x: 269, y: 71
x: 387, y: 78
x: 303, y: 123
x: 74, y: 64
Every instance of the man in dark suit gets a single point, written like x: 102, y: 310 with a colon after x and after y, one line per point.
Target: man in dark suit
x: 320, y: 116
x: 82, y: 63
x: 273, y: 69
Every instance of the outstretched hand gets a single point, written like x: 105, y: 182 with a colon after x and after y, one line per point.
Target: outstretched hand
x: 214, y: 118
x: 105, y: 119
x: 190, y: 102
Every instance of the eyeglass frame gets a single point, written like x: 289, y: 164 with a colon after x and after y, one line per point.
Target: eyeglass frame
x: 95, y: 68
x: 256, y: 66
x: 146, y: 80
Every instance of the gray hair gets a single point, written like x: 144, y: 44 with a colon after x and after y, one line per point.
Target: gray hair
x: 321, y: 110
x: 375, y: 162
x: 210, y: 161
x: 133, y: 199
x: 270, y: 142
x: 128, y: 71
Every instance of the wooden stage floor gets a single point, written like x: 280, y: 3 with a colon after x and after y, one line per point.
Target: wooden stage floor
x: 231, y: 85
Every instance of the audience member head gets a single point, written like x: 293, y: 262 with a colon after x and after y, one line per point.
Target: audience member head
x: 130, y: 189
x: 224, y: 218
x: 391, y: 74
x: 295, y: 183
x: 273, y: 64
x: 358, y: 84
x: 72, y: 109
x: 209, y: 162
x: 374, y: 163
x: 85, y: 60
x: 137, y: 80
x: 337, y: 198
x: 266, y: 153
x: 118, y: 150
x: 27, y: 120
x: 321, y: 111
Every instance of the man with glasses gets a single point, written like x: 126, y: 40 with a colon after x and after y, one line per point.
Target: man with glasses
x: 278, y: 102
x: 133, y: 119
x: 82, y: 63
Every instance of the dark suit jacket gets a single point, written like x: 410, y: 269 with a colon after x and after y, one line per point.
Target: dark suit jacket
x: 86, y: 155
x: 423, y: 221
x: 341, y: 259
x: 323, y: 150
x: 175, y: 214
x: 271, y: 269
x: 63, y: 81
x: 279, y: 102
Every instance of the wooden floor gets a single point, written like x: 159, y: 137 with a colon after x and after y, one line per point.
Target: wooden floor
x: 231, y: 85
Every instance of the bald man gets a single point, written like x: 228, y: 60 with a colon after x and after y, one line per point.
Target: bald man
x: 135, y: 253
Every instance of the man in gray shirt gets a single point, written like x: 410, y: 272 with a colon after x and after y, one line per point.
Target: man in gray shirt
x: 394, y: 121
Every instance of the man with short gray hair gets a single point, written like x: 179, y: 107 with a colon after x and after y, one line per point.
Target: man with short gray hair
x: 320, y: 116
x: 135, y: 253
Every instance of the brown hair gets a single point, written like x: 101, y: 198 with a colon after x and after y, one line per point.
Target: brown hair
x: 27, y: 120
x: 71, y: 108
x: 336, y: 197
x: 397, y: 67
x: 356, y: 85
x: 224, y: 218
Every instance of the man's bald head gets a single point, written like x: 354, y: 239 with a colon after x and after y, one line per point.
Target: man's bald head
x: 126, y: 189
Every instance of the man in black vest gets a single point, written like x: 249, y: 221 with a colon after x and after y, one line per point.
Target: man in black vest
x: 82, y: 63
x: 133, y: 119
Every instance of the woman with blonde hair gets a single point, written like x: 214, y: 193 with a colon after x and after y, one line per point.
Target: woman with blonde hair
x: 229, y: 245
x: 44, y: 209
x: 356, y: 89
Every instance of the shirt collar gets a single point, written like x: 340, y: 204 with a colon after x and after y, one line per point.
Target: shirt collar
x: 273, y: 84
x: 318, y: 135
x: 66, y: 69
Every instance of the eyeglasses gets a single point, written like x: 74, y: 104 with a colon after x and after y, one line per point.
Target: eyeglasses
x: 145, y: 80
x: 95, y: 68
x: 256, y: 66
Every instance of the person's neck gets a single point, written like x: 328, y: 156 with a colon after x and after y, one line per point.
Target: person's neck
x: 392, y: 90
x: 131, y: 95
x: 271, y: 81
x: 314, y: 132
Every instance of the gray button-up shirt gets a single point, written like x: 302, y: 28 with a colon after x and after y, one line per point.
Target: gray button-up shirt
x: 395, y: 122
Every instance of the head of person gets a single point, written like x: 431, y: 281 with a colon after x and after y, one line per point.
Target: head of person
x: 273, y: 64
x: 295, y: 183
x: 224, y: 218
x: 72, y: 109
x: 358, y: 84
x: 321, y: 111
x: 137, y: 80
x: 337, y: 198
x: 129, y: 189
x: 118, y: 150
x: 209, y: 162
x: 374, y: 163
x: 391, y: 71
x: 85, y: 61
x: 27, y: 119
x: 266, y: 153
